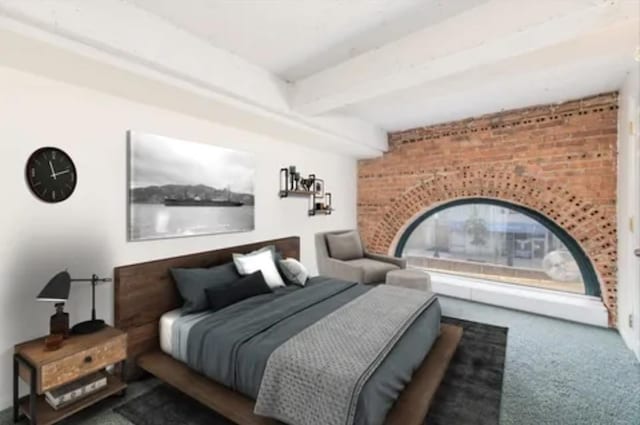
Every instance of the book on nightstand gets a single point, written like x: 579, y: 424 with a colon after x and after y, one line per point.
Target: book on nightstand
x: 76, y: 390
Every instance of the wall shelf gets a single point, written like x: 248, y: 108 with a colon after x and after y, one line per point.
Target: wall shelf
x: 287, y: 193
x: 320, y: 212
x: 320, y: 204
x: 293, y: 184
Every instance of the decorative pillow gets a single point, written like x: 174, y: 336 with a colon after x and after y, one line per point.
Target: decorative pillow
x: 192, y: 283
x: 262, y: 260
x: 294, y: 271
x: 269, y: 248
x: 345, y: 246
x: 277, y: 258
x: 248, y: 286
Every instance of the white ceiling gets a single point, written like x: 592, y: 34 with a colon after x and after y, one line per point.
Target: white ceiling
x: 339, y: 73
x: 296, y: 38
x: 323, y: 42
x: 590, y: 65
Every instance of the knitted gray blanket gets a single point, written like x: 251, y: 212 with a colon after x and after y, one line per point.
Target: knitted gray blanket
x: 315, y: 377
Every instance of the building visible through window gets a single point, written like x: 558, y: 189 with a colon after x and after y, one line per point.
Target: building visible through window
x: 493, y: 242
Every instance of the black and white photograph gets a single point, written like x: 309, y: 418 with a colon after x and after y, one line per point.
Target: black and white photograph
x: 179, y: 188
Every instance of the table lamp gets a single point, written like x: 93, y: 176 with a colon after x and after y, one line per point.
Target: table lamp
x: 57, y: 290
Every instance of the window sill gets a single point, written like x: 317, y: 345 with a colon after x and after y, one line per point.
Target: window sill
x: 574, y: 307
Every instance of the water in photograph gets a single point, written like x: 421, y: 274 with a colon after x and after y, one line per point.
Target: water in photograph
x: 156, y: 221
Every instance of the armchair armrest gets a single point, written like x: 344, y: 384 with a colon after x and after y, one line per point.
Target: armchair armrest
x: 341, y: 270
x: 400, y: 262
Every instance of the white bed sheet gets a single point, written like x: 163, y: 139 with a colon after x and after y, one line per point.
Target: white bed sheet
x: 166, y: 329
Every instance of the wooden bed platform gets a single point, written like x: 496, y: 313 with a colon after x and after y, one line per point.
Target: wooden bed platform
x: 145, y: 291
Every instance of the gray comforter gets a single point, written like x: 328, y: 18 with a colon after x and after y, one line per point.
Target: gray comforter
x: 232, y: 346
x: 315, y: 378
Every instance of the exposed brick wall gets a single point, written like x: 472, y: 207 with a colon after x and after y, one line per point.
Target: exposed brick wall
x: 559, y: 160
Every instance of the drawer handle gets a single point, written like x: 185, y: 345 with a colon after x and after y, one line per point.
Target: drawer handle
x: 88, y: 359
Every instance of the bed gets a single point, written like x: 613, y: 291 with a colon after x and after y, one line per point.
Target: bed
x: 147, y: 308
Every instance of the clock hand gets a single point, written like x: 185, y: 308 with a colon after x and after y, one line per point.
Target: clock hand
x: 63, y: 172
x: 53, y: 172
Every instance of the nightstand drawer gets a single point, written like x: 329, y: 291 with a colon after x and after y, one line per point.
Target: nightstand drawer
x: 70, y: 368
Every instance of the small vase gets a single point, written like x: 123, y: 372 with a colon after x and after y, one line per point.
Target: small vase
x: 59, y: 323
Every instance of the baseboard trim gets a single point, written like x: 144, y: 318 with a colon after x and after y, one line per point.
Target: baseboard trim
x: 573, y: 307
x: 630, y: 341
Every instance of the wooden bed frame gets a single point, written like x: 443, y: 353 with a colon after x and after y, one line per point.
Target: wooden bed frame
x: 145, y: 291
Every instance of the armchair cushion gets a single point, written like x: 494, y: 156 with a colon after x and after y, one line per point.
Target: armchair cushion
x: 345, y: 246
x: 372, y: 271
x: 400, y: 262
x: 343, y: 270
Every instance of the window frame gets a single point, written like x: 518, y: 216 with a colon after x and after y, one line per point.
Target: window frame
x: 589, y: 276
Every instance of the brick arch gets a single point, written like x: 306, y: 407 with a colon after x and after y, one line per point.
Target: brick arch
x: 584, y: 222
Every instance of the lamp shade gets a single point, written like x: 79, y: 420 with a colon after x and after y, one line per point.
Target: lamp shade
x: 57, y: 290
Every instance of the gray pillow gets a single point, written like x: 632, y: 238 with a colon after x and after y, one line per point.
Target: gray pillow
x: 294, y: 271
x: 193, y: 282
x: 345, y: 246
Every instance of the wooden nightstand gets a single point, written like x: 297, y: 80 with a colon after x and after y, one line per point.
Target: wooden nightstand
x: 44, y: 370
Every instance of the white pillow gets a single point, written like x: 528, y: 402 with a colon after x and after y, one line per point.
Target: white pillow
x: 294, y: 271
x: 261, y: 260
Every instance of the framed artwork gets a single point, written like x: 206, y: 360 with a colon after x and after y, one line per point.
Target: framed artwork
x: 178, y: 188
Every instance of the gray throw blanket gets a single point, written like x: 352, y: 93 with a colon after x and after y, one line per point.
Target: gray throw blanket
x: 315, y: 377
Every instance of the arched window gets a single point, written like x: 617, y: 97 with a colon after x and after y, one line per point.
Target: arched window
x: 498, y: 241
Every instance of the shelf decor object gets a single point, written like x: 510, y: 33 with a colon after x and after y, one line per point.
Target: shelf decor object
x: 321, y: 204
x: 293, y: 184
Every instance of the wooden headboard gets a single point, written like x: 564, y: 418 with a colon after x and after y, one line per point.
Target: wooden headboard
x: 145, y: 291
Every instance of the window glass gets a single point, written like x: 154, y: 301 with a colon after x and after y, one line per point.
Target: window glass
x: 495, y: 243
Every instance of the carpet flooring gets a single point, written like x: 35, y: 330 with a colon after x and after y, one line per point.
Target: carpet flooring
x: 470, y: 392
x: 556, y: 373
x: 559, y: 372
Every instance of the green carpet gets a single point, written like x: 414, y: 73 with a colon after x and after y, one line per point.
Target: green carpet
x: 559, y: 372
x: 556, y: 373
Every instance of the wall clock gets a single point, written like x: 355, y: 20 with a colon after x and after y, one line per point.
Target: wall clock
x: 51, y: 174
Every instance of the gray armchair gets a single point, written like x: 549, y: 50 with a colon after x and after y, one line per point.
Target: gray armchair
x: 361, y: 267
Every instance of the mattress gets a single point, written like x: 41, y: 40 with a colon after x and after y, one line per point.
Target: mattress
x: 166, y: 330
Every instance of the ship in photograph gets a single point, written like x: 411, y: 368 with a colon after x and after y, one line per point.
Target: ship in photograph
x: 196, y: 201
x: 169, y: 178
x: 200, y: 203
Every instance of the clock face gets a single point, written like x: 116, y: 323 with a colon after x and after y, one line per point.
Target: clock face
x: 51, y: 174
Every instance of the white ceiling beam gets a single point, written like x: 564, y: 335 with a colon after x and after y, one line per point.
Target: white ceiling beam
x: 123, y: 37
x: 489, y: 33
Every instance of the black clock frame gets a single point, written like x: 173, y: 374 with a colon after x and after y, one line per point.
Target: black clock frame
x: 73, y: 170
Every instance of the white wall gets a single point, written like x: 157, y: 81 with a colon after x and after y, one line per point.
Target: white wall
x: 629, y: 210
x: 87, y: 233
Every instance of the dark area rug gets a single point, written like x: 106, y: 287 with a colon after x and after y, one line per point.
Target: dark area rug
x: 469, y: 394
x: 471, y: 390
